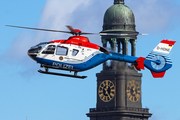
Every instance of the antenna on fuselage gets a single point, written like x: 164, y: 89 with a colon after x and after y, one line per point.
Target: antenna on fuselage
x: 54, y: 37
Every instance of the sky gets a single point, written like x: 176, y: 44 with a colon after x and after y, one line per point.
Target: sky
x: 26, y: 93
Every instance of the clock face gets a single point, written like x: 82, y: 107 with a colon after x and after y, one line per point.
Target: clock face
x: 106, y: 91
x: 133, y: 91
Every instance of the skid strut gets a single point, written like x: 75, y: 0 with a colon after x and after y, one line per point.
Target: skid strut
x: 61, y: 74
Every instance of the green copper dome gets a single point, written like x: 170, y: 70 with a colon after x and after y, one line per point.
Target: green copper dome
x: 119, y: 17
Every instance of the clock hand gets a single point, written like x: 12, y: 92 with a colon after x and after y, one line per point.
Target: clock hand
x: 134, y: 92
x: 106, y: 90
x: 109, y: 96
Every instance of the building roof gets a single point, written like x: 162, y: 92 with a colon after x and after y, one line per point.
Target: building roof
x: 119, y: 18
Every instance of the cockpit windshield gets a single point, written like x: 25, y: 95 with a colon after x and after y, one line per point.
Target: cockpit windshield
x: 38, y: 48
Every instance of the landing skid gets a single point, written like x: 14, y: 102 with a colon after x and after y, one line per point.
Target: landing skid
x: 61, y: 74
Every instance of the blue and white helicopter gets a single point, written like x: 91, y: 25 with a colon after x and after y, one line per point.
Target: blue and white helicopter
x: 78, y: 54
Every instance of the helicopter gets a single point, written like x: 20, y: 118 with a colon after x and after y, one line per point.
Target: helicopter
x: 78, y: 54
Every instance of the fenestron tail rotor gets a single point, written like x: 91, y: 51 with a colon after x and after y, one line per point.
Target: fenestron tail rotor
x: 158, y: 62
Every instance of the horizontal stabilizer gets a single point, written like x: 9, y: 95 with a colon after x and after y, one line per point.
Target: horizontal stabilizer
x: 140, y: 63
x: 158, y: 75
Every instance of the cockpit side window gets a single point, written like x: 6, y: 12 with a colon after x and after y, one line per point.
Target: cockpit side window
x: 75, y: 52
x: 38, y: 48
x: 49, y: 50
x: 61, y: 50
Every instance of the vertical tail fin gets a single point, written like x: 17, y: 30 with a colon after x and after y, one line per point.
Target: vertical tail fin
x: 158, y: 60
x: 164, y: 47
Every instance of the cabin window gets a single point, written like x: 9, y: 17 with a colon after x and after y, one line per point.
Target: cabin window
x: 61, y: 50
x: 75, y: 52
x: 49, y: 50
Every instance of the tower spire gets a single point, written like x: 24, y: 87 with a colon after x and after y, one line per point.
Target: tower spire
x: 118, y: 1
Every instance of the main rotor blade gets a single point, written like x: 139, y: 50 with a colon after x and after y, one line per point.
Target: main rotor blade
x: 73, y: 31
x: 82, y: 33
x: 143, y: 34
x: 121, y: 34
x: 38, y: 29
x: 70, y: 28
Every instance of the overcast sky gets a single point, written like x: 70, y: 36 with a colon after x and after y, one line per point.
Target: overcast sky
x: 26, y: 93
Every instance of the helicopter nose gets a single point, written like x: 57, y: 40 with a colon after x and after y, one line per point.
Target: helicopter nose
x: 32, y: 54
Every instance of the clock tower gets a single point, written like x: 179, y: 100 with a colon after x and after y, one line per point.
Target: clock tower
x: 119, y: 84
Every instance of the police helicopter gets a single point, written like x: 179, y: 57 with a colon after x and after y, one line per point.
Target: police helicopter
x: 78, y: 54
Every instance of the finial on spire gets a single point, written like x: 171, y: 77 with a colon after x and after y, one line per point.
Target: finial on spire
x: 118, y: 1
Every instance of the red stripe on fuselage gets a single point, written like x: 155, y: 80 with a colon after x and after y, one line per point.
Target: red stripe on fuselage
x: 58, y: 41
x: 78, y: 40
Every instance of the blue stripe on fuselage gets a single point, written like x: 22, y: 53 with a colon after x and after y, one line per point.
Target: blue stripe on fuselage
x: 94, y: 61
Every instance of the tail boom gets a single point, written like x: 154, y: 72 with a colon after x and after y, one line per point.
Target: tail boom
x: 157, y: 61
